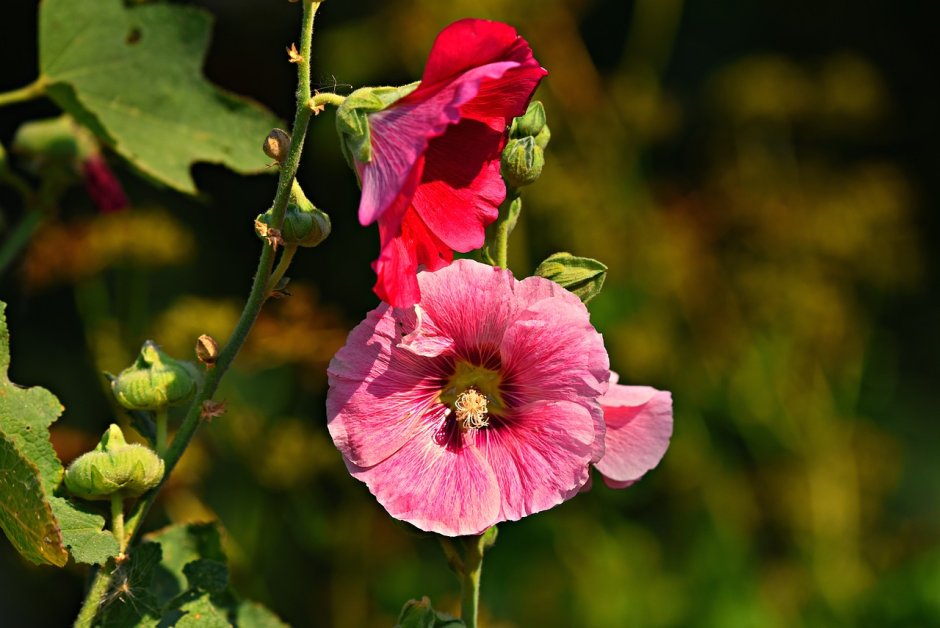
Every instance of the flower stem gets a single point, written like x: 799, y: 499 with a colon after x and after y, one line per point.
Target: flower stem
x: 470, y: 580
x: 320, y: 99
x: 283, y: 264
x: 498, y: 247
x: 256, y: 298
x: 161, y: 418
x: 117, y: 521
x: 34, y: 90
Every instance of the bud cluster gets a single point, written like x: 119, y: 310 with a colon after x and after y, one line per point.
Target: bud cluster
x: 523, y: 157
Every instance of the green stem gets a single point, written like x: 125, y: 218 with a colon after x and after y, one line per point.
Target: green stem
x: 498, y: 248
x: 470, y: 580
x: 34, y: 90
x: 256, y: 299
x: 324, y: 98
x: 162, y: 416
x: 14, y: 243
x: 283, y: 264
x: 99, y: 587
x: 117, y: 521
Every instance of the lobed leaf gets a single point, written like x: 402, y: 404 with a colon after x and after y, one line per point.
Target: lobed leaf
x: 38, y: 524
x: 133, y: 76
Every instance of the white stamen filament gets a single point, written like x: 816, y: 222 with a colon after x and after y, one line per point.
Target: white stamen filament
x: 471, y: 409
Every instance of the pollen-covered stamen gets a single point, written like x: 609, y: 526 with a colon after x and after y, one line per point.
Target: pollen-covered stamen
x: 471, y: 409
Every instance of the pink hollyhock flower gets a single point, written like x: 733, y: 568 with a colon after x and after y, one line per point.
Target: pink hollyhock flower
x: 430, y: 166
x: 102, y: 185
x: 639, y: 426
x: 477, y: 406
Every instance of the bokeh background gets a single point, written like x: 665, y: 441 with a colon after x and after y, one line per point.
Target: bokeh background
x: 761, y: 179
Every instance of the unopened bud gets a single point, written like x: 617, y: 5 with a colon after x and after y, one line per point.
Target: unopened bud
x: 277, y: 145
x: 154, y: 381
x: 530, y: 123
x: 207, y: 350
x: 522, y: 162
x: 112, y: 467
x: 304, y: 224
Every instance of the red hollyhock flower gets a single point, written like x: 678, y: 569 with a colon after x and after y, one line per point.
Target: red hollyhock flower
x: 430, y: 164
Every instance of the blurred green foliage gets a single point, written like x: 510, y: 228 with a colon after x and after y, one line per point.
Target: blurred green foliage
x: 756, y: 182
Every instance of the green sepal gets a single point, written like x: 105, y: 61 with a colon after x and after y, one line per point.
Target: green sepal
x: 581, y: 275
x: 522, y: 162
x: 155, y: 381
x: 529, y: 124
x: 420, y: 614
x: 114, y: 466
x: 304, y: 224
x: 352, y: 121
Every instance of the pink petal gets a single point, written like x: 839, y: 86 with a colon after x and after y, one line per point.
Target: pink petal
x: 446, y: 489
x: 421, y: 335
x: 459, y: 197
x: 400, y: 136
x: 470, y: 43
x: 639, y: 426
x: 378, y: 394
x: 541, y: 455
x: 470, y: 302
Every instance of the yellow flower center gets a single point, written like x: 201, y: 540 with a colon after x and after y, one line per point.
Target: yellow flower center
x: 471, y: 409
x: 473, y: 394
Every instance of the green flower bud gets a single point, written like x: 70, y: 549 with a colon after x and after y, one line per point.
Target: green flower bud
x: 154, y: 381
x: 541, y: 140
x: 530, y: 123
x: 114, y: 467
x: 522, y: 162
x: 581, y: 275
x: 304, y: 224
x: 352, y: 123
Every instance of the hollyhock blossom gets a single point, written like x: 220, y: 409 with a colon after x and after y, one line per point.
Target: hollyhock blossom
x: 428, y: 162
x: 102, y: 185
x: 477, y: 406
x: 639, y: 426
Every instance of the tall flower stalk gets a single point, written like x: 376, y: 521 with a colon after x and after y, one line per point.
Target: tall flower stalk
x: 259, y: 293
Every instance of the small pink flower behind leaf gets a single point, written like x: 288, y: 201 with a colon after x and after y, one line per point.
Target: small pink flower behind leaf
x: 102, y: 185
x: 639, y: 426
x: 479, y: 407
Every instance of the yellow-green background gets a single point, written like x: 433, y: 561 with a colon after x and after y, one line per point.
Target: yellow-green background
x: 761, y: 179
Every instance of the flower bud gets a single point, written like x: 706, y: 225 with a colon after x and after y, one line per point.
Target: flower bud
x: 277, y: 145
x: 207, y: 350
x: 304, y: 224
x: 541, y: 140
x: 154, y: 381
x: 530, y: 123
x: 522, y: 162
x: 114, y: 467
x: 352, y: 122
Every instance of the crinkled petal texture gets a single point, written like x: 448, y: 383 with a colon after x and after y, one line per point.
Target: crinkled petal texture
x: 639, y: 426
x: 433, y: 181
x: 390, y: 417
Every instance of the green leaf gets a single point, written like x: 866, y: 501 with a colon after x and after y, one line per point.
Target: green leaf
x: 181, y: 545
x: 206, y: 574
x: 133, y: 76
x: 253, y: 615
x: 199, y: 610
x: 581, y: 275
x: 25, y: 514
x: 419, y: 614
x: 39, y: 525
x: 83, y: 534
x: 192, y: 581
